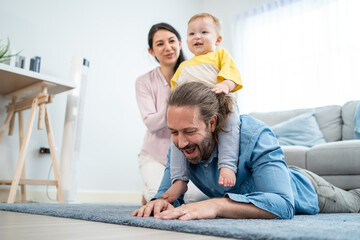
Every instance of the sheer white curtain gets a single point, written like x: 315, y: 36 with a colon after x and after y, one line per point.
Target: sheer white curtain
x: 298, y: 54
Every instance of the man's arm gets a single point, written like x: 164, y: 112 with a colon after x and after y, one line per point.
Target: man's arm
x: 166, y: 184
x: 158, y: 204
x: 268, y: 169
x: 215, y: 207
x: 231, y: 209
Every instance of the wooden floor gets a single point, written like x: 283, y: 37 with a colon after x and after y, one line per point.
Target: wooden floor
x: 16, y: 226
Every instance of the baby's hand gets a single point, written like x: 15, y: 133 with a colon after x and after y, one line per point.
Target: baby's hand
x: 221, y: 88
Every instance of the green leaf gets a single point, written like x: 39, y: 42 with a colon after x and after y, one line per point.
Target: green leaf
x: 5, y: 48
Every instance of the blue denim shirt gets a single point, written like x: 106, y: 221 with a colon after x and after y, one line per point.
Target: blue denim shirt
x: 262, y: 179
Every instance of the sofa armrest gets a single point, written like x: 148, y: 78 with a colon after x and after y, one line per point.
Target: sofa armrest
x: 335, y: 158
x: 295, y: 155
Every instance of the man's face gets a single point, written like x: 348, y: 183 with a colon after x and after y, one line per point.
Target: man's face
x: 190, y: 133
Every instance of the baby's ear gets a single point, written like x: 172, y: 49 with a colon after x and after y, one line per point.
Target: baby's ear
x: 218, y: 40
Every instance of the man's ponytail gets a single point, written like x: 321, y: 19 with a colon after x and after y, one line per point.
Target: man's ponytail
x: 226, y: 104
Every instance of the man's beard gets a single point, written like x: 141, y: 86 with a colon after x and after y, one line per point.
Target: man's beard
x: 205, y: 148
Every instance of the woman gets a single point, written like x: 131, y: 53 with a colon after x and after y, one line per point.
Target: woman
x: 152, y: 92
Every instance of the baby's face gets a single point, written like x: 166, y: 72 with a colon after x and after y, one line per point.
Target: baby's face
x: 202, y: 36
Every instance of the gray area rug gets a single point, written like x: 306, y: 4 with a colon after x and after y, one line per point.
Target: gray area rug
x: 321, y: 226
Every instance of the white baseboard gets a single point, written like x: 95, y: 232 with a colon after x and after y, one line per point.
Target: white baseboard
x: 4, y: 193
x: 109, y: 197
x: 43, y: 196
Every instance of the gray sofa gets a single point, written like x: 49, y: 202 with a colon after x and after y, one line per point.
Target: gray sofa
x: 337, y: 160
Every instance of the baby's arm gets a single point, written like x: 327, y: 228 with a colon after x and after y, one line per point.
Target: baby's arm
x: 225, y: 87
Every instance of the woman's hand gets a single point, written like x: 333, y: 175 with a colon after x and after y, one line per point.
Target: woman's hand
x: 153, y: 207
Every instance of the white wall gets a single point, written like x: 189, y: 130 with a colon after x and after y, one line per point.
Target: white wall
x: 112, y: 35
x: 226, y: 11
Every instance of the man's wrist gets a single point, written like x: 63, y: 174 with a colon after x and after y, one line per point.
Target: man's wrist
x: 218, y: 205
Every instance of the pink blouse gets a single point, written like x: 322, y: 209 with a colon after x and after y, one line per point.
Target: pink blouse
x: 152, y: 93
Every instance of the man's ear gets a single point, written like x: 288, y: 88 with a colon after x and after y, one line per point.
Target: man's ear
x: 212, y: 123
x: 218, y: 40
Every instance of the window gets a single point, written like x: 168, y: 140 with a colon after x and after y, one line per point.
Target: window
x: 298, y: 54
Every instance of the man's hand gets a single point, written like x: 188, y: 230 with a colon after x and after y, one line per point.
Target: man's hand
x: 156, y: 206
x: 207, y: 209
x: 215, y: 207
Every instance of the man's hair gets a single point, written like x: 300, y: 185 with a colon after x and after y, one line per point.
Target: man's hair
x: 214, y: 19
x: 195, y: 94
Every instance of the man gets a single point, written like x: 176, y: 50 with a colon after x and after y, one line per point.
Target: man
x: 265, y: 187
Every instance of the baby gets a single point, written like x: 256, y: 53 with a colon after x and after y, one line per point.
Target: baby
x: 217, y: 70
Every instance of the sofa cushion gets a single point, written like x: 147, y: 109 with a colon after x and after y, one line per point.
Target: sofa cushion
x: 335, y: 158
x: 330, y: 122
x: 328, y: 118
x: 348, y: 114
x: 272, y: 118
x: 302, y: 130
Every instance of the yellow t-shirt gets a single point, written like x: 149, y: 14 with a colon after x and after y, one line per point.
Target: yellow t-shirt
x: 209, y: 69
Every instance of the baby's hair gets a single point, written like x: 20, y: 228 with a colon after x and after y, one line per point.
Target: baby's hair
x: 207, y: 15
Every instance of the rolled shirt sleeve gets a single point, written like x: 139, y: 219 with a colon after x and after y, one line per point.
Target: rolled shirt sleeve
x: 269, y: 172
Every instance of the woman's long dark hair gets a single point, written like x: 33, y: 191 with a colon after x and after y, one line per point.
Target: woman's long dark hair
x: 168, y: 27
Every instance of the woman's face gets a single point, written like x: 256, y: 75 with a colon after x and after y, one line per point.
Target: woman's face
x: 166, y: 48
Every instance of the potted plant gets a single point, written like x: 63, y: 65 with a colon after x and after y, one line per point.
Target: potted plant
x: 5, y: 56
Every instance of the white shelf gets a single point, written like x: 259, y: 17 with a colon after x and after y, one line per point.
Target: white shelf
x: 14, y: 79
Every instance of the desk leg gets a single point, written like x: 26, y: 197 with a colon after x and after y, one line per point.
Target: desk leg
x: 42, y: 109
x: 21, y: 159
x: 6, y: 124
x: 21, y: 138
x: 53, y: 155
x: 12, y: 121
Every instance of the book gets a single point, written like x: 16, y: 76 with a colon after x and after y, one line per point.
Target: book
x: 32, y: 64
x: 35, y: 64
x: 20, y: 61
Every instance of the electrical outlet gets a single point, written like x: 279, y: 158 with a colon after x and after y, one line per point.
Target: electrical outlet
x: 44, y: 150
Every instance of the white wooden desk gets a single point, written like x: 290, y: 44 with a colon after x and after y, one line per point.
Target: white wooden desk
x: 29, y: 90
